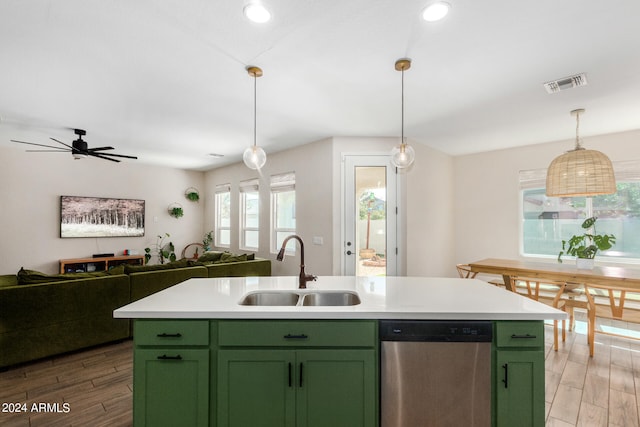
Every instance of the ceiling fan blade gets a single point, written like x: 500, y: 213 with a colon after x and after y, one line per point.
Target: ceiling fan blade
x: 60, y: 142
x: 101, y: 148
x: 40, y: 145
x: 118, y: 155
x: 100, y: 156
x: 57, y: 150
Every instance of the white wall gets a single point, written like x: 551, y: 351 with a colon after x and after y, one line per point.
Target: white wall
x: 486, y: 206
x: 312, y: 166
x: 30, y: 188
x: 425, y: 204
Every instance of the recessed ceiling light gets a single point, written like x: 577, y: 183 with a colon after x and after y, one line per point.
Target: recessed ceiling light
x: 435, y: 11
x: 257, y: 13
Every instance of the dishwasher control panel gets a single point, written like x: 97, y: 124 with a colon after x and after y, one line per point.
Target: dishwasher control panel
x: 436, y: 330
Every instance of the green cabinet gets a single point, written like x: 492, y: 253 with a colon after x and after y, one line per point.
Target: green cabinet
x: 297, y: 373
x: 519, y: 373
x: 171, y: 373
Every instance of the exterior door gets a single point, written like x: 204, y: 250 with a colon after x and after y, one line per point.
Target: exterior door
x: 370, y: 216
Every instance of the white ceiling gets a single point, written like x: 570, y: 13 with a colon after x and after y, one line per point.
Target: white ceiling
x: 166, y: 80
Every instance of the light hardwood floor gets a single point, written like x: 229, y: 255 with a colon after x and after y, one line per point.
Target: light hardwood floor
x: 97, y: 384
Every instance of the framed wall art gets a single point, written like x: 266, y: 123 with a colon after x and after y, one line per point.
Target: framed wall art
x: 101, y: 217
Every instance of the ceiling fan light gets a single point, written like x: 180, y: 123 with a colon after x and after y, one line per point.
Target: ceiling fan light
x: 254, y: 157
x: 255, y: 12
x: 435, y: 11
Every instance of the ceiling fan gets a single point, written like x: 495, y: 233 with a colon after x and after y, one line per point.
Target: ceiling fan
x: 79, y: 148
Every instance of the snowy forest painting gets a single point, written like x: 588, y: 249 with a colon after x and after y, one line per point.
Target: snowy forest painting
x: 100, y: 217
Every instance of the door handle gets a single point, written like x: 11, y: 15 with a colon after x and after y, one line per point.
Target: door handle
x: 289, y: 374
x: 349, y: 252
x: 165, y: 357
x: 527, y: 336
x: 165, y: 335
x: 506, y: 375
x: 300, y: 374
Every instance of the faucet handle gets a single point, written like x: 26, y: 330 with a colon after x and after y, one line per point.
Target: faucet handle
x: 310, y: 277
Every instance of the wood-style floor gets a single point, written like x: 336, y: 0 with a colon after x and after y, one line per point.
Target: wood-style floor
x: 97, y: 385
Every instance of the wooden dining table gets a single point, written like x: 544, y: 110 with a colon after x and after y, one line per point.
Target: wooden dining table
x: 565, y: 272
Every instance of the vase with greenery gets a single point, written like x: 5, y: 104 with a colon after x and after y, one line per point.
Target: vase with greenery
x: 586, y: 245
x: 207, y: 240
x: 161, y: 250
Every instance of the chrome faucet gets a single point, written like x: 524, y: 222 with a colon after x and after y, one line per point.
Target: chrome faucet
x: 304, y: 278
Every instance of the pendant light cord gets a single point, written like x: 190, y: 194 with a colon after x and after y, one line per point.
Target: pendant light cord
x: 578, y: 146
x: 402, y: 109
x: 255, y: 108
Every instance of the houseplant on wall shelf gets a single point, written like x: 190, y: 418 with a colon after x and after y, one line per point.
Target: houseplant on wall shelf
x: 161, y: 250
x: 175, y: 210
x: 585, y: 246
x: 192, y: 194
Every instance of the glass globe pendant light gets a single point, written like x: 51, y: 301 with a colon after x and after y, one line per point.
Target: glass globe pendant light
x: 254, y: 157
x: 402, y: 155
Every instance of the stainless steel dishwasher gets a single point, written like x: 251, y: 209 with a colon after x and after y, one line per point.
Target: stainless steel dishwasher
x: 435, y: 373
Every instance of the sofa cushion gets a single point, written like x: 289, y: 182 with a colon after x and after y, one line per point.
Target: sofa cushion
x: 8, y: 280
x: 228, y: 257
x: 29, y: 277
x: 155, y: 267
x: 211, y: 256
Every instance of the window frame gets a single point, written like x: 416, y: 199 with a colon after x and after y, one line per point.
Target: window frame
x: 220, y: 192
x: 248, y: 187
x: 625, y: 171
x: 281, y: 183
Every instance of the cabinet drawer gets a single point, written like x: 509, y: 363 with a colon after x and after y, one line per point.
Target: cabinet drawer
x: 171, y: 332
x: 274, y: 333
x: 520, y: 334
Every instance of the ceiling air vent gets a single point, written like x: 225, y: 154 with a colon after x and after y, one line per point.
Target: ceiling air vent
x: 566, y: 83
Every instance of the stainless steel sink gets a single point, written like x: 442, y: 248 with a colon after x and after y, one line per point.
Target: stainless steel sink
x: 270, y: 298
x: 330, y: 299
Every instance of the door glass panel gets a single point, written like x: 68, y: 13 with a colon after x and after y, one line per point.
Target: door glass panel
x: 371, y: 220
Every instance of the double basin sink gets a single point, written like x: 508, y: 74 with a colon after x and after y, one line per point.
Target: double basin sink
x: 301, y: 298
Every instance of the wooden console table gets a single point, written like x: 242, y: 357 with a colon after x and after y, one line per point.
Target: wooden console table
x: 84, y: 265
x: 566, y: 272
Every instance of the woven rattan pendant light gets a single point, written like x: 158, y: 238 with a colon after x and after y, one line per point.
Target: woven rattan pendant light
x: 580, y: 172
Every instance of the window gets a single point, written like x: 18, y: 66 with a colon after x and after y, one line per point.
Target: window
x: 546, y: 221
x: 249, y: 214
x: 283, y: 210
x: 223, y: 215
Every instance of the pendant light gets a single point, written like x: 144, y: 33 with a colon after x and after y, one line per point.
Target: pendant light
x: 402, y: 155
x: 580, y: 172
x: 254, y: 157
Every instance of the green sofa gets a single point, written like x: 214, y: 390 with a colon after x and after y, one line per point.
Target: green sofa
x: 40, y: 318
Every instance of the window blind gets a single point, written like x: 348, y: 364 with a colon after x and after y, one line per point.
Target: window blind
x: 283, y: 182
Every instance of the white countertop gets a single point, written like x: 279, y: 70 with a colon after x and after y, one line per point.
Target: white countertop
x: 381, y: 298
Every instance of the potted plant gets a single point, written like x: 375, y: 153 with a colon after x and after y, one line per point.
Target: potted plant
x: 207, y: 240
x: 192, y: 194
x: 161, y: 250
x: 585, y: 246
x: 175, y: 210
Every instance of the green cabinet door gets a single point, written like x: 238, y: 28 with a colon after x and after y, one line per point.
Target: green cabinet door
x: 302, y: 388
x: 336, y: 388
x: 519, y: 388
x: 171, y: 387
x: 256, y: 388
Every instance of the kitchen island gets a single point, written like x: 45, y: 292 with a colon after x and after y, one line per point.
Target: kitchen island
x: 202, y: 358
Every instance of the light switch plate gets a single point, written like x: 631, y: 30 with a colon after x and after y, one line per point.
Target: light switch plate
x: 317, y: 240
